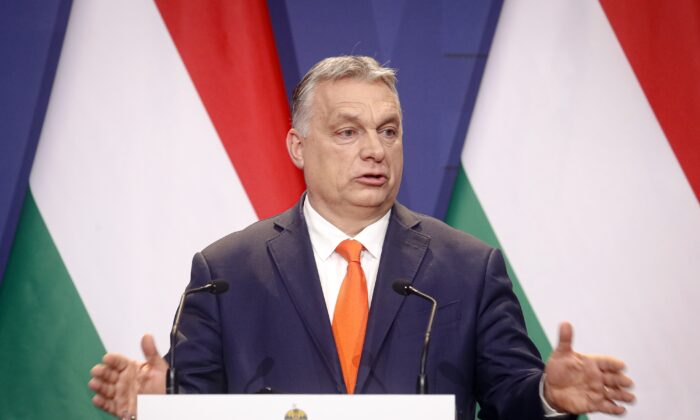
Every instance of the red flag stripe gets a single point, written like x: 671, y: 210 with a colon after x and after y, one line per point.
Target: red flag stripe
x: 661, y: 40
x: 229, y: 51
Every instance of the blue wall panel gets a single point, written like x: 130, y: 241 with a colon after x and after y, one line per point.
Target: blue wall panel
x: 31, y: 35
x: 440, y: 50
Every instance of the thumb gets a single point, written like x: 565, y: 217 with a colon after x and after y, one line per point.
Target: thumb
x: 566, y: 336
x: 150, y: 352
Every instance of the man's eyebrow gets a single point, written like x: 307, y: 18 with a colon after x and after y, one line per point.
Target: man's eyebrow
x: 346, y: 116
x: 390, y: 119
x: 342, y: 117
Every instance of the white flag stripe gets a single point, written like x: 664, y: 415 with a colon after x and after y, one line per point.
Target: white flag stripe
x: 587, y: 198
x: 130, y: 175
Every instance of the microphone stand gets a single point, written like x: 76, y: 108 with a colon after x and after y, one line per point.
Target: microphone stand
x: 214, y: 287
x: 405, y: 288
x: 171, y: 385
x: 422, y: 386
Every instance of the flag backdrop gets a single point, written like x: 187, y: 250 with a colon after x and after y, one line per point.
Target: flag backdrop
x: 582, y: 157
x: 581, y: 162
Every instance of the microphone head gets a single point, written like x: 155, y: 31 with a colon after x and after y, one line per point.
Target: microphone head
x: 402, y: 287
x: 218, y: 287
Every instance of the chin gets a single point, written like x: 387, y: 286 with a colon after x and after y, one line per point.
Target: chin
x: 375, y: 200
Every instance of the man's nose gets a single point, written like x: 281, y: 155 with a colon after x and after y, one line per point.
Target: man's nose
x: 372, y: 146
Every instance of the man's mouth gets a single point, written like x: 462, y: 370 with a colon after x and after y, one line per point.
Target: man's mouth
x: 374, y: 180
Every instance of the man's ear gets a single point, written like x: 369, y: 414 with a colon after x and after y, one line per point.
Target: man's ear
x: 295, y: 147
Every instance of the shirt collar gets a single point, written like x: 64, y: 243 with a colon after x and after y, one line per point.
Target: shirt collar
x: 325, y: 237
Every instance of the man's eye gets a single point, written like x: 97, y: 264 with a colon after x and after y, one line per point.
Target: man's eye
x: 346, y: 133
x: 390, y: 132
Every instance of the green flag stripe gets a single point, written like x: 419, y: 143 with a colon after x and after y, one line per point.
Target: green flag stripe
x: 465, y: 213
x: 48, y: 341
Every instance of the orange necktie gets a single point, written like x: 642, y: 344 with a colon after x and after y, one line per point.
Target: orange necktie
x: 350, y: 315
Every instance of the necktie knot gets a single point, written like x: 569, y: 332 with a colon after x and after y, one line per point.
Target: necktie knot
x: 350, y: 249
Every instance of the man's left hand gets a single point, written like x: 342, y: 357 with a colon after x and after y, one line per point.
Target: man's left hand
x: 577, y: 383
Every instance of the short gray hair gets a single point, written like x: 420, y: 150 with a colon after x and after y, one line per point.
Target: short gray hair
x: 355, y: 67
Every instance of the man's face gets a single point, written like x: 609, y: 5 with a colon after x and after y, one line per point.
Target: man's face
x: 352, y: 155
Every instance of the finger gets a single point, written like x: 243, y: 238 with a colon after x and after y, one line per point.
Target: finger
x: 103, y: 389
x: 115, y: 361
x: 103, y: 373
x: 103, y: 404
x: 93, y: 384
x: 99, y: 402
x: 97, y: 370
x: 609, y: 407
x: 609, y: 364
x: 617, y: 394
x: 566, y: 335
x: 153, y: 358
x: 617, y: 380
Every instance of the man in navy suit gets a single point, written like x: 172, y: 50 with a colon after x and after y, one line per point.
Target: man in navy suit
x: 281, y: 324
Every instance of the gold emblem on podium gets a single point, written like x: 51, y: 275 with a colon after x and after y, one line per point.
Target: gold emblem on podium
x: 295, y: 414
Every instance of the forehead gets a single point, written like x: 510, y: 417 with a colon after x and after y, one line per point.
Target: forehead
x: 347, y: 94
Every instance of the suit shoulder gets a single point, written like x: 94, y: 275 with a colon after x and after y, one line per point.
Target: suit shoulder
x: 444, y: 235
x: 249, y: 240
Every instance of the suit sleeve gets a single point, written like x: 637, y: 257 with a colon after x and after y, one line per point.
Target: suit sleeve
x: 509, y: 367
x: 199, y: 360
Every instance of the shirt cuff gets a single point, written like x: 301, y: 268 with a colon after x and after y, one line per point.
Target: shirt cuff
x: 549, y: 412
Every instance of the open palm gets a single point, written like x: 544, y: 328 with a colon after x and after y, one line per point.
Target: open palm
x: 118, y: 380
x: 578, y: 383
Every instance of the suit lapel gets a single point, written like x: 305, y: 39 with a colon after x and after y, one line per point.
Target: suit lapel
x: 402, y: 254
x: 293, y: 255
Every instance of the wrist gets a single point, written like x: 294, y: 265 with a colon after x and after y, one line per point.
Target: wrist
x: 550, y: 408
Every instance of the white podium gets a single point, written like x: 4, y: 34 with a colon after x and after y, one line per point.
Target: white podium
x: 296, y: 407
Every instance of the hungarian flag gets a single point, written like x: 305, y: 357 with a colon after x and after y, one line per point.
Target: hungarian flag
x: 582, y: 162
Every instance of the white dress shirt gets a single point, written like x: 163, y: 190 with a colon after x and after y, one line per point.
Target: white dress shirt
x: 332, y: 266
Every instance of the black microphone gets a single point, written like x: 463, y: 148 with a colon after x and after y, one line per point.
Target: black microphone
x: 404, y: 288
x: 214, y: 287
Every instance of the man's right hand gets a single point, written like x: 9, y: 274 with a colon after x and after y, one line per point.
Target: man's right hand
x: 118, y: 380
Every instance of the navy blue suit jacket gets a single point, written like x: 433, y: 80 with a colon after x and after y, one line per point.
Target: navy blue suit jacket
x: 271, y: 329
